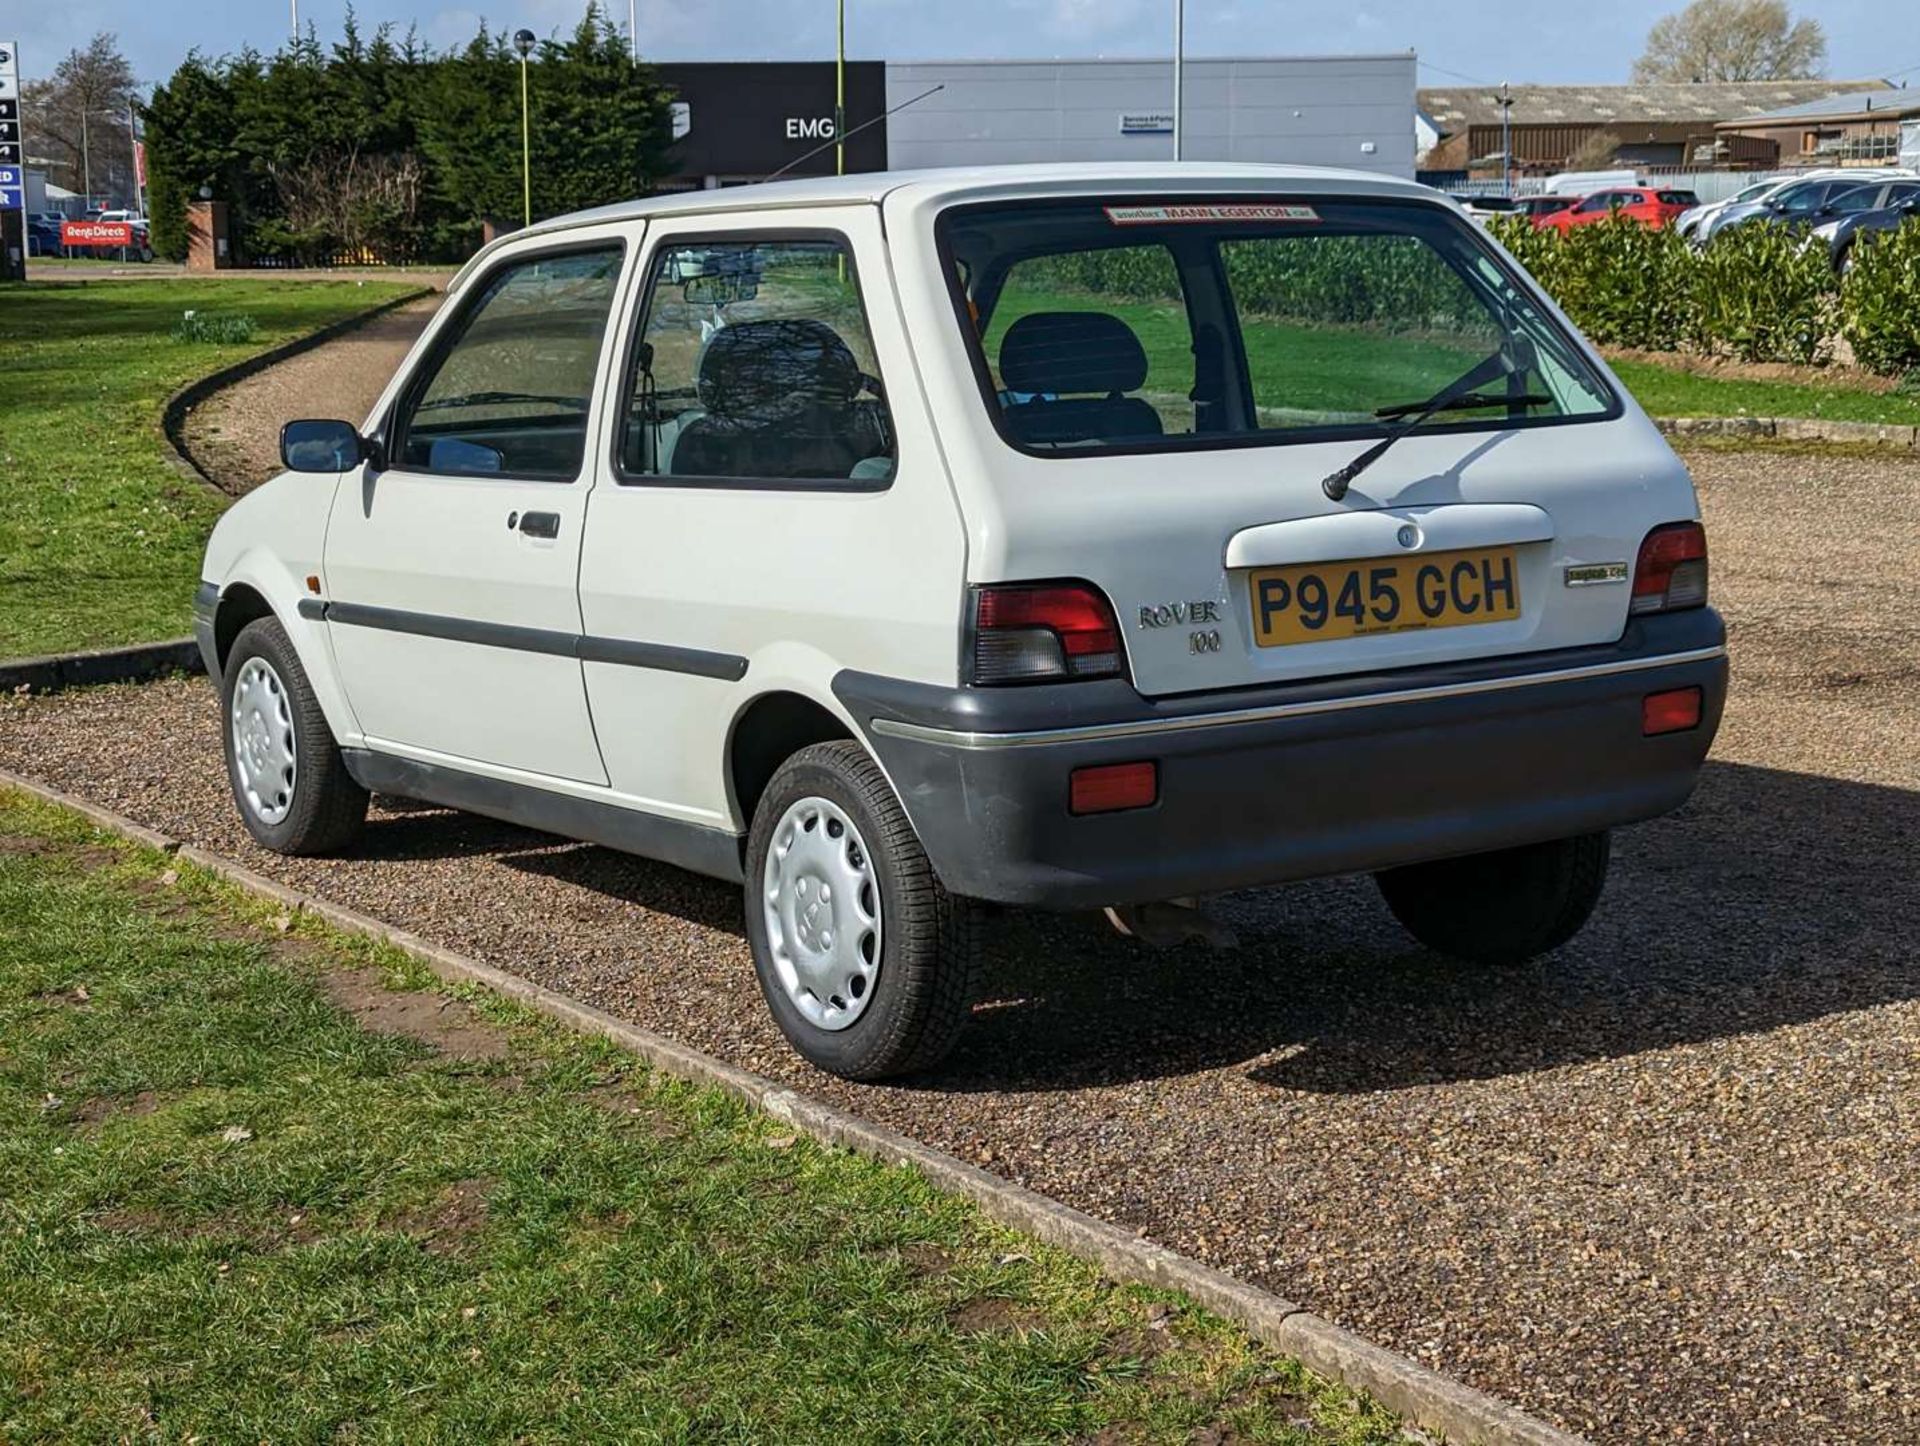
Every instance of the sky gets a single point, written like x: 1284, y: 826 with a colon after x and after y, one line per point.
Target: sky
x: 1549, y: 41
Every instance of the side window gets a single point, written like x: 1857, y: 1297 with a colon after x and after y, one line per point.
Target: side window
x: 510, y: 388
x: 755, y: 362
x: 1095, y: 346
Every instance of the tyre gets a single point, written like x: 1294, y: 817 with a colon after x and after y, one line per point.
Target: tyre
x: 866, y: 962
x: 1500, y: 908
x: 294, y: 792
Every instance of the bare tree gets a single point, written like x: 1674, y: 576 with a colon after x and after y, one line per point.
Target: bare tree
x: 1733, y: 40
x: 1595, y: 152
x: 76, y: 120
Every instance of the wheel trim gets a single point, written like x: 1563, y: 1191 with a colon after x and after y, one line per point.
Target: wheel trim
x: 265, y: 754
x: 821, y: 898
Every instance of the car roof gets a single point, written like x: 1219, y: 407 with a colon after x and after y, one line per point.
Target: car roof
x: 946, y: 185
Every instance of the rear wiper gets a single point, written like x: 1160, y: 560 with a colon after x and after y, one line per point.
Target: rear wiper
x: 1460, y: 393
x: 1471, y: 402
x: 489, y: 399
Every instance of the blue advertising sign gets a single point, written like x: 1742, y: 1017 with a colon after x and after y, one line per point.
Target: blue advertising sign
x: 13, y: 192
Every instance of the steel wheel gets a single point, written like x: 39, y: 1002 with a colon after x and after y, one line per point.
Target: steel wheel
x: 822, y: 903
x: 264, y: 751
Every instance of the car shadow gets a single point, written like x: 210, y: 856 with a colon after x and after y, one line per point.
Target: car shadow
x: 1771, y: 899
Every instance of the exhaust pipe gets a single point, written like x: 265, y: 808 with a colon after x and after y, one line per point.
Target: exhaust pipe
x: 1171, y: 922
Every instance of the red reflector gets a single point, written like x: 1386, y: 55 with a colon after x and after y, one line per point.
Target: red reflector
x: 1112, y: 787
x: 1671, y: 712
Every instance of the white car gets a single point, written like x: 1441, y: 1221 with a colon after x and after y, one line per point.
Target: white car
x: 1060, y: 536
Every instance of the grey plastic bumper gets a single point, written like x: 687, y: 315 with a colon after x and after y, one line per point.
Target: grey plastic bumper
x: 1264, y: 785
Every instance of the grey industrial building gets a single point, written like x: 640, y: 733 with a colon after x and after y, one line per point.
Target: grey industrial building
x: 1338, y: 110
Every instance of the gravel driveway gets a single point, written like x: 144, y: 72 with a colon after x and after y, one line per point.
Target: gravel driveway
x: 1661, y: 1186
x: 234, y: 435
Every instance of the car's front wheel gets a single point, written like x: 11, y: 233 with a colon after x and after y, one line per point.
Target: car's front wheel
x: 294, y: 792
x: 1501, y: 908
x: 866, y: 961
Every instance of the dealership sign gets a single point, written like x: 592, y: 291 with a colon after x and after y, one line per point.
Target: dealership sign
x: 96, y: 233
x: 1149, y: 123
x: 13, y: 180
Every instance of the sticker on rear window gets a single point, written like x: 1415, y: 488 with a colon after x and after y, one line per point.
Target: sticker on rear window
x: 1166, y: 215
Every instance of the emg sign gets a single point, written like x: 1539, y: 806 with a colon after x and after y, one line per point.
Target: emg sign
x: 810, y: 128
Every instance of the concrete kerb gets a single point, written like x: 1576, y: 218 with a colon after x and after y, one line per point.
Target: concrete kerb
x: 1792, y: 429
x: 173, y: 415
x: 1421, y: 1396
x: 135, y: 664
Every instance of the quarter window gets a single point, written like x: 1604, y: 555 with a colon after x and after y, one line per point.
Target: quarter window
x: 755, y: 363
x: 509, y: 391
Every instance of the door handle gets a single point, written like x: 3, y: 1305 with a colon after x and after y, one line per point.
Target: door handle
x: 540, y: 524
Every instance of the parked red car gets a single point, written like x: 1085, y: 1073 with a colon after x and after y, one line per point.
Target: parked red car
x: 1648, y: 205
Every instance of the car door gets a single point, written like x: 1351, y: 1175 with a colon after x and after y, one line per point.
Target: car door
x: 452, y: 572
x: 772, y: 506
x: 1596, y: 207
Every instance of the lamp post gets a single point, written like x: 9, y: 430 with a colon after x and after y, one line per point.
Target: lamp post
x: 1179, y: 69
x: 1506, y: 136
x: 840, y: 94
x: 523, y: 42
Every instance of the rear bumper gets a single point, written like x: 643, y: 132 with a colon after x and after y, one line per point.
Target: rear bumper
x: 1264, y: 785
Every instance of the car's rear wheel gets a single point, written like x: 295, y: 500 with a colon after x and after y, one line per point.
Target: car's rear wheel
x: 1501, y: 908
x: 293, y: 790
x: 867, y: 963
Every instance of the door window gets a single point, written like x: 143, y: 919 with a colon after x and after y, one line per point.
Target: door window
x: 755, y: 363
x: 508, y: 390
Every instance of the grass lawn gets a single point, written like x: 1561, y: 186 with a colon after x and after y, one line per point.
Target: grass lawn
x: 100, y: 539
x: 1296, y: 366
x: 265, y: 1183
x: 1670, y: 392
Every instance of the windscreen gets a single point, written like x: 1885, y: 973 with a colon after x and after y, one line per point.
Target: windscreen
x: 1123, y: 325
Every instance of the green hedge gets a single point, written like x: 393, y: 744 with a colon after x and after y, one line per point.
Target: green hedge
x: 1756, y: 294
x: 1880, y: 301
x: 1373, y: 281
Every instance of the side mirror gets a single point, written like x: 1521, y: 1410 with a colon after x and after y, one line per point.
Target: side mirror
x: 321, y: 446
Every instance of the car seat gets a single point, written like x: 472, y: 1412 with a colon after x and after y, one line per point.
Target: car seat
x: 1048, y: 356
x: 781, y: 398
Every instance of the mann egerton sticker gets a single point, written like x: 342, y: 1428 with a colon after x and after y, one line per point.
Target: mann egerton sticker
x: 1164, y: 215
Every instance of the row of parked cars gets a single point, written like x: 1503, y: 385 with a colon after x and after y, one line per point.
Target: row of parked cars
x: 1835, y: 207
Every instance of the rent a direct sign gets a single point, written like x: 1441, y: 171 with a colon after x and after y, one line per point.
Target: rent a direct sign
x: 96, y: 233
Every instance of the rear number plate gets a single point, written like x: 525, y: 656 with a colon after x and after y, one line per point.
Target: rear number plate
x: 1317, y: 602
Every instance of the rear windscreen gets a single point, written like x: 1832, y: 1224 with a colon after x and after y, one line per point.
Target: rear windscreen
x: 1123, y: 325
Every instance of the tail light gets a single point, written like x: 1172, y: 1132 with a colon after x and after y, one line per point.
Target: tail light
x: 1672, y: 570
x: 1044, y: 632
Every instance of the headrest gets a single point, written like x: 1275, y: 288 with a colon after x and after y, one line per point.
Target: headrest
x: 1071, y: 351
x: 761, y: 371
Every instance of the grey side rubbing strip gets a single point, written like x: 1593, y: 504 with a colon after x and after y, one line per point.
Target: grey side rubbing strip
x: 311, y: 607
x: 1149, y: 727
x: 455, y: 630
x: 728, y: 667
